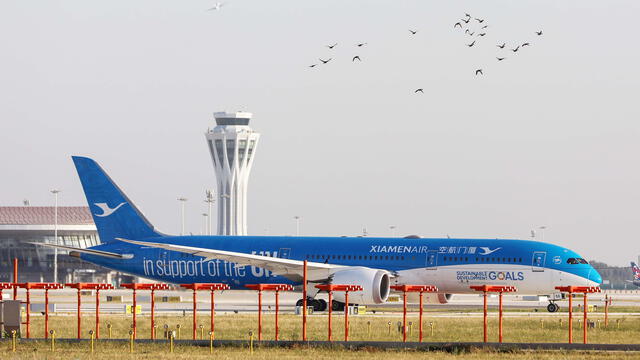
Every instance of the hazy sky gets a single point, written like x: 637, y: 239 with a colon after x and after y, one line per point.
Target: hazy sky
x: 547, y: 137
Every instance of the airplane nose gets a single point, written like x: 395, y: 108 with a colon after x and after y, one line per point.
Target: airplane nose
x: 595, y: 276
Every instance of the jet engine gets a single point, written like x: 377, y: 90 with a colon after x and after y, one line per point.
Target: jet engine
x: 375, y: 285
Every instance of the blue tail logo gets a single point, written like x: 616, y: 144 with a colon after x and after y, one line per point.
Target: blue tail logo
x: 106, y: 210
x: 113, y: 213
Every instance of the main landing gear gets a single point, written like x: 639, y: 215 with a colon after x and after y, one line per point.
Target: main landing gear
x: 553, y: 307
x: 318, y: 304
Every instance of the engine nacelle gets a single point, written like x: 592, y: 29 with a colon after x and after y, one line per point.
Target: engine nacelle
x: 428, y: 298
x: 375, y: 285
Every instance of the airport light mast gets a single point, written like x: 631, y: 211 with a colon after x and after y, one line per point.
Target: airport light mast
x: 232, y: 144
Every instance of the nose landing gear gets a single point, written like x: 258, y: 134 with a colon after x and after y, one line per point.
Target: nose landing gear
x: 553, y: 307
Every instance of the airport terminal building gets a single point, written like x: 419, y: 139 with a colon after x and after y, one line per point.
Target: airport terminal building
x: 20, y: 226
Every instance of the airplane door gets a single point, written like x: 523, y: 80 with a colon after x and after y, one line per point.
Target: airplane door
x: 432, y: 260
x: 538, y: 260
x: 283, y: 253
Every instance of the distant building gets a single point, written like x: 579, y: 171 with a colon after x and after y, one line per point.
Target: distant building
x: 232, y: 144
x: 22, y: 225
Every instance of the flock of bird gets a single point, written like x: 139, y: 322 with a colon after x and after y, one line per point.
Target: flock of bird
x: 356, y: 57
x: 467, y: 23
x: 474, y: 27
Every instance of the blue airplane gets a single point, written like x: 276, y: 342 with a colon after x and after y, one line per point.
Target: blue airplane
x: 130, y: 244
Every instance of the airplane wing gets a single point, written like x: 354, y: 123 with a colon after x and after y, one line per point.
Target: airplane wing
x: 87, y: 251
x: 291, y: 269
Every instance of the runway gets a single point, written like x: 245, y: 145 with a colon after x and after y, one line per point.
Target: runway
x: 233, y: 301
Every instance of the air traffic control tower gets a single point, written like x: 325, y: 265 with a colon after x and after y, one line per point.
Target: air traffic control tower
x: 232, y: 144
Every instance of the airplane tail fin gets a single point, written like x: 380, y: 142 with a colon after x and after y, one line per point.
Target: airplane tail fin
x: 113, y: 213
x: 636, y: 271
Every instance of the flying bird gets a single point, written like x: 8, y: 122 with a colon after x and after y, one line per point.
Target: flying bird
x: 356, y: 57
x: 470, y: 45
x: 486, y: 26
x: 419, y: 91
x: 471, y: 33
x: 516, y: 49
x: 216, y: 6
x: 502, y: 46
x: 467, y: 15
x: 312, y: 65
x: 361, y: 44
x: 526, y: 44
x: 539, y: 32
x: 479, y: 72
x: 413, y: 32
x: 332, y: 46
x: 466, y: 21
x: 466, y: 31
x: 457, y: 24
x: 482, y: 34
x: 480, y: 20
x: 500, y: 58
x: 325, y: 61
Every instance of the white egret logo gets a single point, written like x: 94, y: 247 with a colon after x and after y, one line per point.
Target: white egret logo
x: 487, y: 251
x: 106, y: 210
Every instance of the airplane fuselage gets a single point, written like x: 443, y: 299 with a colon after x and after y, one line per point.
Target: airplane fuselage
x: 453, y: 265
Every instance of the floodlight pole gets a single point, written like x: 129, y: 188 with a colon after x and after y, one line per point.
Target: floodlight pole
x: 210, y: 200
x: 182, y: 200
x: 297, y: 218
x: 55, y: 235
x: 205, y: 222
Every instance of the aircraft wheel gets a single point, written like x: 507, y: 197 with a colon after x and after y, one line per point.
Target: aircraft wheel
x: 322, y: 305
x: 299, y: 302
x: 315, y: 303
x: 553, y: 307
x: 337, y: 305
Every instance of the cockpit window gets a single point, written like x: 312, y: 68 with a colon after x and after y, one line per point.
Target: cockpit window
x: 575, y: 261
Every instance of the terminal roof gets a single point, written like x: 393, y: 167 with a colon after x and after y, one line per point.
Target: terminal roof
x: 44, y: 215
